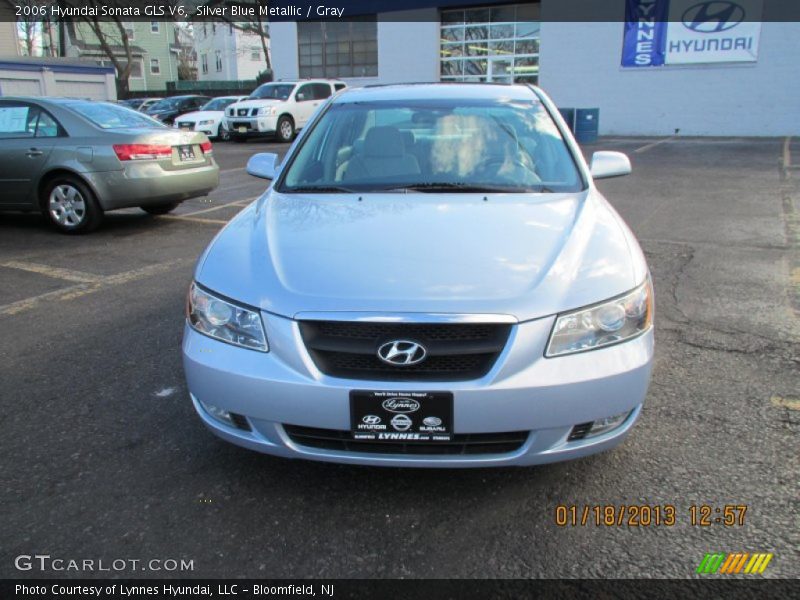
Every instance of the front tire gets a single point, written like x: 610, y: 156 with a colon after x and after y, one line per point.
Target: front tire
x: 70, y: 206
x: 285, y: 129
x: 160, y: 209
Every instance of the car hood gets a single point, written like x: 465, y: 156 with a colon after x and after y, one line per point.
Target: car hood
x: 255, y: 103
x: 201, y: 115
x: 527, y: 256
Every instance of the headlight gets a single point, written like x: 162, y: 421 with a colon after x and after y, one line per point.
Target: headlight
x: 604, y: 324
x: 207, y: 122
x: 223, y: 320
x: 267, y: 111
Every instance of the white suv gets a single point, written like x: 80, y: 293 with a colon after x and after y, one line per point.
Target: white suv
x: 279, y: 108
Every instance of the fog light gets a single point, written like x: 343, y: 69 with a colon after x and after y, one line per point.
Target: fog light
x: 604, y: 425
x: 218, y: 414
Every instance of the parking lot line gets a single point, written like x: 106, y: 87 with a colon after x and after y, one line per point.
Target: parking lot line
x: 55, y: 272
x: 88, y: 287
x: 217, y: 207
x: 194, y: 219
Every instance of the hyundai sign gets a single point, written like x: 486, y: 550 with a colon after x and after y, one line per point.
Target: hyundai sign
x: 682, y: 32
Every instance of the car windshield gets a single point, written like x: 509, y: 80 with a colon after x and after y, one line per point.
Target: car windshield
x: 165, y: 104
x: 275, y: 91
x: 434, y: 145
x: 112, y: 116
x: 218, y: 104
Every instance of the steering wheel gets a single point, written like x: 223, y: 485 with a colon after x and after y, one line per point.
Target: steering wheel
x: 494, y: 163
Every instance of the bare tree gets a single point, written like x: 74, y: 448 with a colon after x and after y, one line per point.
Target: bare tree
x: 29, y: 26
x: 114, y: 40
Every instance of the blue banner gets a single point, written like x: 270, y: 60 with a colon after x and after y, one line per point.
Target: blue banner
x: 645, y: 34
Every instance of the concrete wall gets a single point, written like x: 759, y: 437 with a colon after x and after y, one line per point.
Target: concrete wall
x: 57, y: 82
x: 580, y: 67
x: 407, y: 51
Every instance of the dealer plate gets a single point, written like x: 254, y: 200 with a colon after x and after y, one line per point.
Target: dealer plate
x: 186, y: 153
x: 404, y: 417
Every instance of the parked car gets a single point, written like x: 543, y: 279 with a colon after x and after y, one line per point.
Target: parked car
x: 432, y: 280
x: 75, y: 159
x: 167, y: 109
x: 209, y: 118
x: 140, y: 104
x: 278, y: 109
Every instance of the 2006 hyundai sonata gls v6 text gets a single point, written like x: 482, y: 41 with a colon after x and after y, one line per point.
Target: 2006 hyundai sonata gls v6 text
x: 431, y: 280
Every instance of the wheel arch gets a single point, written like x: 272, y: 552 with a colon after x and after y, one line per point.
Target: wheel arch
x: 47, y: 177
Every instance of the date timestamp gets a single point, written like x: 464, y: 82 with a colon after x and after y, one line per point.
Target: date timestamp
x: 648, y: 515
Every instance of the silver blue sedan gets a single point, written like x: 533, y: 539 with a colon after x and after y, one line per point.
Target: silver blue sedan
x: 75, y: 159
x: 432, y: 279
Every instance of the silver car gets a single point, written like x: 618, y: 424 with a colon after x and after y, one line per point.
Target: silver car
x: 75, y: 159
x: 431, y: 280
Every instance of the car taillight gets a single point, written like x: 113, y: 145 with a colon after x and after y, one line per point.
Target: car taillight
x: 206, y: 147
x: 141, y: 151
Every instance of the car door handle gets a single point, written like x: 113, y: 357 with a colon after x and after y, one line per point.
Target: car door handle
x: 34, y: 152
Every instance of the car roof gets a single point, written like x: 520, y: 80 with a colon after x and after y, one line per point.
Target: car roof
x: 438, y: 91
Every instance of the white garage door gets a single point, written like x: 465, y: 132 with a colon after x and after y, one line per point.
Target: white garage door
x: 20, y: 87
x: 96, y: 90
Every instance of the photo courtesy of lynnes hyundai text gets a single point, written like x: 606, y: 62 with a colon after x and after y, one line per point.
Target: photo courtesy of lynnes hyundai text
x: 432, y: 279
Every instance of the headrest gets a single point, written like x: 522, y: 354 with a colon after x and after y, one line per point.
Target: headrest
x: 383, y: 142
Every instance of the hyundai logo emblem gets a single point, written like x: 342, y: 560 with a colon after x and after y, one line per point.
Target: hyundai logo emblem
x: 371, y: 419
x: 713, y: 17
x: 402, y: 353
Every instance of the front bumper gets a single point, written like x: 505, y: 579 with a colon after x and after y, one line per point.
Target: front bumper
x: 523, y: 391
x: 253, y: 126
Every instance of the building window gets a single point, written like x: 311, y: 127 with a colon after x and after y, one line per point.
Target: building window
x: 155, y: 66
x: 205, y: 31
x: 155, y: 27
x: 204, y: 63
x: 338, y: 48
x: 499, y: 44
x: 218, y: 54
x: 255, y: 55
x: 130, y: 30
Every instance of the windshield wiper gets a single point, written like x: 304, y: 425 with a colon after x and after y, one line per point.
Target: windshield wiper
x: 433, y: 187
x: 321, y: 189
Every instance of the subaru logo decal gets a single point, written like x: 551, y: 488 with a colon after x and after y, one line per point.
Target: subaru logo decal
x: 432, y: 421
x: 401, y: 353
x: 713, y: 17
x: 400, y: 405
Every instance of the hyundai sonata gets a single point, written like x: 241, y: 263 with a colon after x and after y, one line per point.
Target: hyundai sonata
x: 432, y: 279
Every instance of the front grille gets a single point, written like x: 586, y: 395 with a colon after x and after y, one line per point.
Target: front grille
x: 254, y: 112
x: 186, y: 125
x: 242, y: 112
x: 462, y: 443
x: 455, y: 351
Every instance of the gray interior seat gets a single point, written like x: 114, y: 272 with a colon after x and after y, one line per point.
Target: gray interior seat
x: 383, y: 155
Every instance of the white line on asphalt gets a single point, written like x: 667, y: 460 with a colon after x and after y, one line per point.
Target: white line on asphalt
x: 55, y: 272
x: 219, y: 206
x: 195, y: 219
x: 647, y: 147
x: 82, y: 289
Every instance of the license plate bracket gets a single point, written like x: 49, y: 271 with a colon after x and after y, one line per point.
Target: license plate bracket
x: 403, y: 417
x: 186, y: 153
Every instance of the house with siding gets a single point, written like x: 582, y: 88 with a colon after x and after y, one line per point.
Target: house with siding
x: 154, y: 47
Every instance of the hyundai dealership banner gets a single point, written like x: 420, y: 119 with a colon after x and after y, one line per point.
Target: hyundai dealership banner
x: 682, y: 32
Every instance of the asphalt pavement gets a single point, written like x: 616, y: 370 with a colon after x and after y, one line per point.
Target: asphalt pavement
x: 103, y: 457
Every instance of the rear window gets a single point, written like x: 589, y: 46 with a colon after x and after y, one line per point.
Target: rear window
x: 112, y: 116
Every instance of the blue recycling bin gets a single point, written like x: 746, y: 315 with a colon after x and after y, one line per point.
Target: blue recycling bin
x: 569, y: 117
x: 587, y: 124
